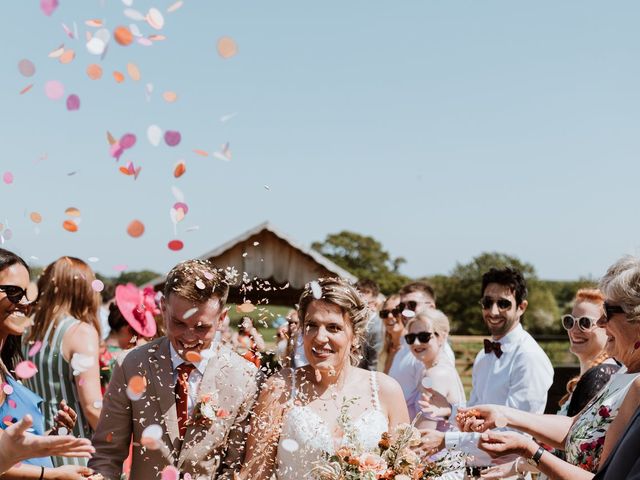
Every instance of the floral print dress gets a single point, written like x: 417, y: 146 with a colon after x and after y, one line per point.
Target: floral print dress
x: 586, y: 437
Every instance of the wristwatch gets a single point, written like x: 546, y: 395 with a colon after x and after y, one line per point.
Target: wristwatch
x: 535, y: 460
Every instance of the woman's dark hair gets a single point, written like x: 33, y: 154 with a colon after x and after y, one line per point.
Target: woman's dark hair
x: 116, y: 320
x: 11, y: 353
x: 508, y: 277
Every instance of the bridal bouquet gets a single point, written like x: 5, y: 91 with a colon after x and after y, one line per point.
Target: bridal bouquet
x: 393, y: 459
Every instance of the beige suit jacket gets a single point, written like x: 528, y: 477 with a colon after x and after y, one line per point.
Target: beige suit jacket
x: 209, y: 450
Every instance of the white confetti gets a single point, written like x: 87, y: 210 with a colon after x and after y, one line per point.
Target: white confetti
x: 190, y: 313
x: 316, y: 290
x: 81, y: 363
x: 427, y: 382
x: 290, y: 445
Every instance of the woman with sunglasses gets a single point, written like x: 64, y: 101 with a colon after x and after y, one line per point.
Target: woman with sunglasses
x: 67, y: 325
x: 589, y: 437
x: 16, y: 400
x: 393, y: 331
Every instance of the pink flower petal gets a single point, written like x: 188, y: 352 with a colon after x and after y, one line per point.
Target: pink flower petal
x: 35, y: 348
x: 26, y: 369
x: 48, y: 6
x: 73, y: 102
x: 7, y: 178
x: 54, y: 89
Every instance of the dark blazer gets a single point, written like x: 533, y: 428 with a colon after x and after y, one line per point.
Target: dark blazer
x: 624, y: 460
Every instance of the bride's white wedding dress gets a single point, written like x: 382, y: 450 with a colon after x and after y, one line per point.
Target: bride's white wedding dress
x: 312, y: 436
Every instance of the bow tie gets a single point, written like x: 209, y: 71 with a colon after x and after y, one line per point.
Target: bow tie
x: 494, y: 347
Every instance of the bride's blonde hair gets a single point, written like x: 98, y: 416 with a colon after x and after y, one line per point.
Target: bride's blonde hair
x: 341, y: 293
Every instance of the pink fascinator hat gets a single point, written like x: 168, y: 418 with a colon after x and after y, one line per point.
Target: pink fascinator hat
x: 138, y: 308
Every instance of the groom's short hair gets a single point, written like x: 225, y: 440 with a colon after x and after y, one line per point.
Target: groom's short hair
x: 198, y: 281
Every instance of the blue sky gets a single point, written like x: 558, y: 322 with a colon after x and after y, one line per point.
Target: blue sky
x: 442, y: 129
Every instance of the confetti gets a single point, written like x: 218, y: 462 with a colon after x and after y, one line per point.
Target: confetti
x: 26, y: 89
x: 57, y: 52
x: 227, y: 47
x: 193, y: 357
x: 267, y: 187
x: 62, y: 431
x: 93, y: 259
x: 155, y: 19
x: 151, y: 436
x: 72, y: 211
x: 135, y: 228
x: 190, y: 313
x: 246, y: 307
x: 26, y: 369
x: 179, y: 169
x: 96, y: 46
x: 128, y: 140
x: 316, y: 290
x: 123, y: 36
x: 133, y: 71
x: 26, y: 68
x: 172, y: 138
x: 54, y: 89
x: 227, y: 117
x: 81, y: 363
x: 94, y: 22
x: 172, y: 8
x: 200, y: 284
x: 427, y: 382
x: 175, y: 245
x: 120, y: 267
x: 290, y: 445
x: 48, y: 6
x: 12, y: 403
x: 73, y: 102
x: 118, y: 76
x: 97, y: 285
x: 170, y: 97
x: 501, y: 422
x: 35, y: 217
x: 136, y: 387
x: 94, y: 71
x: 202, y: 153
x: 181, y: 206
x: 70, y: 226
x: 35, y: 348
x: 406, y: 313
x: 98, y: 404
x: 177, y: 193
x: 154, y: 135
x: 7, y: 389
x: 67, y: 56
x: 134, y: 14
x: 7, y: 177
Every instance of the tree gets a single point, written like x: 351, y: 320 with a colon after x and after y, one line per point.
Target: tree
x: 458, y: 295
x: 364, y: 257
x: 137, y: 277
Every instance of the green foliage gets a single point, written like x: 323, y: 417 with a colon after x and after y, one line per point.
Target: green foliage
x: 364, y: 257
x: 137, y: 277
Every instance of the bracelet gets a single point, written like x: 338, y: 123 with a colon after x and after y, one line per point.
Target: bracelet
x: 41, y: 473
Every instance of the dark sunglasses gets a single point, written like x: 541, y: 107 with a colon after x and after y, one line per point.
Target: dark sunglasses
x: 584, y: 323
x: 14, y: 293
x: 503, y: 304
x: 611, y: 310
x: 423, y: 337
x: 384, y: 314
x: 410, y: 305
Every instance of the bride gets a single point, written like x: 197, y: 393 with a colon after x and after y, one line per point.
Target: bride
x: 327, y: 404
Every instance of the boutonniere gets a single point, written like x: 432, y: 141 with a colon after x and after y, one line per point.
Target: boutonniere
x: 207, y: 410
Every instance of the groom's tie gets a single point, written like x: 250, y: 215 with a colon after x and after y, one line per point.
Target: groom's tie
x: 182, y: 395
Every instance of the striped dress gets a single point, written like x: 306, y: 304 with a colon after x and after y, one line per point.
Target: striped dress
x: 55, y: 382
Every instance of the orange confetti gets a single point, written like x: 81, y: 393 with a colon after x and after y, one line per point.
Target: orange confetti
x: 26, y: 89
x: 35, y: 217
x: 170, y: 97
x: 70, y: 226
x: 109, y: 437
x: 135, y: 228
x: 133, y: 71
x: 137, y: 384
x: 179, y: 169
x: 110, y: 138
x: 123, y: 36
x: 202, y: 153
x: 156, y: 38
x: 227, y: 47
x: 94, y: 71
x: 119, y: 77
x: 193, y: 357
x: 246, y: 307
x: 72, y: 211
x: 94, y: 22
x: 125, y: 170
x: 67, y: 56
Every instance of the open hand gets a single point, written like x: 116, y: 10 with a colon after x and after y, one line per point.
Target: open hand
x: 427, y: 400
x: 499, y: 444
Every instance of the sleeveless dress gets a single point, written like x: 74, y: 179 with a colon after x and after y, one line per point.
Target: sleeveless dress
x: 309, y: 431
x: 55, y: 382
x: 20, y: 402
x: 585, y: 440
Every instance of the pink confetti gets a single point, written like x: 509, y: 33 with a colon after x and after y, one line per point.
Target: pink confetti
x: 183, y: 206
x: 12, y: 403
x: 26, y: 68
x: 116, y: 150
x: 48, y: 6
x: 7, y: 389
x: 172, y: 137
x: 26, y: 369
x: 97, y: 285
x: 73, y: 102
x: 170, y: 473
x: 35, y: 348
x: 120, y: 268
x: 54, y: 89
x: 128, y: 140
x: 7, y: 178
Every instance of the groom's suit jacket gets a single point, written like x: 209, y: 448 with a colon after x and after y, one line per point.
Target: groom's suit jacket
x: 624, y: 461
x: 209, y: 450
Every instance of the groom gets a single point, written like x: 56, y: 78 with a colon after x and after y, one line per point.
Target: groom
x: 195, y: 393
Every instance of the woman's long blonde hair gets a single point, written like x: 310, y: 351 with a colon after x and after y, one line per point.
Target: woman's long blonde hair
x: 65, y: 289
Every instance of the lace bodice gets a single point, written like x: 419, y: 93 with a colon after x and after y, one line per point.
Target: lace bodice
x: 303, y: 428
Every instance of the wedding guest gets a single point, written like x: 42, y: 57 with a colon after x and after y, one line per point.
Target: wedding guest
x: 624, y: 462
x: 16, y: 400
x: 511, y: 370
x: 196, y: 392
x: 589, y: 437
x: 372, y: 343
x: 295, y: 349
x: 67, y: 325
x: 249, y: 341
x: 393, y: 331
x: 304, y: 406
